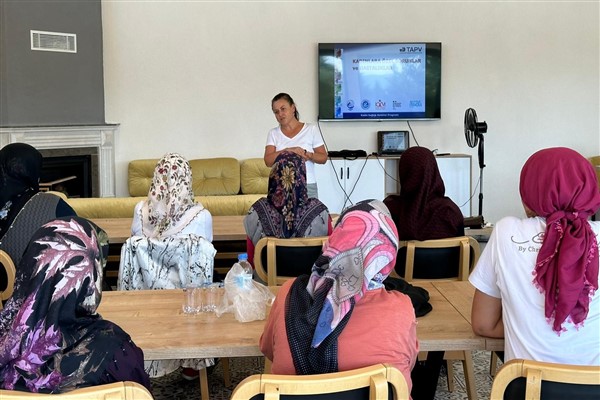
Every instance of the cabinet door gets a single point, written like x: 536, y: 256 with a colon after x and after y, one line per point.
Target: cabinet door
x: 365, y: 179
x: 342, y: 183
x: 330, y: 182
x: 456, y: 173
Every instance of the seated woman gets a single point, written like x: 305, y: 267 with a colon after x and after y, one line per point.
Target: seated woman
x: 171, y: 209
x: 354, y: 325
x: 51, y: 337
x: 422, y: 212
x: 287, y: 211
x: 23, y: 208
x: 537, y: 278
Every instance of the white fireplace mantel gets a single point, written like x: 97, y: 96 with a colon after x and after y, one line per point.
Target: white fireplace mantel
x: 66, y: 137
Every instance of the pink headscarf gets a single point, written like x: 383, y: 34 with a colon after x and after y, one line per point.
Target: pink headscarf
x: 561, y: 185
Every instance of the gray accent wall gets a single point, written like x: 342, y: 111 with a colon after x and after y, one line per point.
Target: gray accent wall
x: 41, y: 88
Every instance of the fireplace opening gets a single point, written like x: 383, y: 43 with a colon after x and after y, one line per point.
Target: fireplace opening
x: 73, y: 172
x: 71, y: 175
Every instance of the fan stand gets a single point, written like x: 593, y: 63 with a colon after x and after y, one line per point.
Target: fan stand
x: 481, y: 166
x: 474, y: 134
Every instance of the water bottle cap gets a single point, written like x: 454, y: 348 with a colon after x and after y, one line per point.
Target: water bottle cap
x: 243, y: 256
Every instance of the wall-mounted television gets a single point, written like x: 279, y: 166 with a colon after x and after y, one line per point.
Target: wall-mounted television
x: 379, y: 81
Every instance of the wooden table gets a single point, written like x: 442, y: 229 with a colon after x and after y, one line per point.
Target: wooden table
x: 225, y: 228
x: 156, y: 323
x: 460, y: 295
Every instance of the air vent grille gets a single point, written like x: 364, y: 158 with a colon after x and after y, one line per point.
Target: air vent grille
x: 54, y: 41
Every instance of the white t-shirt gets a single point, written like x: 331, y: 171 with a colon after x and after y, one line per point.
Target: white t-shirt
x: 309, y: 138
x: 505, y: 270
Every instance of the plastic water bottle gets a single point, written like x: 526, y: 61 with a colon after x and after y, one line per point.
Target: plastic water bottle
x: 246, y: 281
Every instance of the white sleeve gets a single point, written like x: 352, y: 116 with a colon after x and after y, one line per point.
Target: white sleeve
x: 271, y: 138
x: 317, y: 139
x: 484, y: 276
x: 136, y: 224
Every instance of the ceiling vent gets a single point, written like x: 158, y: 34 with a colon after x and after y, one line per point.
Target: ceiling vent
x: 54, y: 41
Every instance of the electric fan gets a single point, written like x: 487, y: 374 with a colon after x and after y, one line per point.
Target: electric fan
x: 474, y: 134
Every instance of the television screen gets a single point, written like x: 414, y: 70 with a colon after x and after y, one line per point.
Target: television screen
x: 379, y: 81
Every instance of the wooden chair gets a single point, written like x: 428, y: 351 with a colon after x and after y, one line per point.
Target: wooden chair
x: 420, y: 258
x: 109, y: 391
x: 372, y: 382
x: 10, y: 271
x: 277, y: 260
x: 464, y: 249
x: 545, y: 380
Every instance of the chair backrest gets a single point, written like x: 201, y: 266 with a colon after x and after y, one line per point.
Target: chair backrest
x: 449, y: 258
x: 527, y: 379
x: 381, y: 382
x: 9, y: 269
x: 169, y: 263
x: 277, y: 260
x: 109, y: 391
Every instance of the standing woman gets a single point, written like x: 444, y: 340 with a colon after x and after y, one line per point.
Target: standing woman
x: 298, y: 137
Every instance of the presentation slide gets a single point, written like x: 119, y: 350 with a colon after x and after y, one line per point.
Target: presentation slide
x: 379, y: 81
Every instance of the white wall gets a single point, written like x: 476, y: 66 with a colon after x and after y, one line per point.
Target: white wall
x: 197, y: 77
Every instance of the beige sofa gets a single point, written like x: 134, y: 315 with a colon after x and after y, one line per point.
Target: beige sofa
x: 225, y: 186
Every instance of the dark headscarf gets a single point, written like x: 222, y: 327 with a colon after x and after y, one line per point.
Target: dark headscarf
x: 287, y: 211
x: 422, y: 211
x: 52, y: 339
x: 359, y: 255
x: 20, y: 169
x: 561, y: 185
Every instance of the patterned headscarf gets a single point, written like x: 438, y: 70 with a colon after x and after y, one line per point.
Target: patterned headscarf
x: 287, y: 211
x: 561, y: 186
x: 55, y: 340
x: 359, y: 255
x: 422, y: 211
x: 170, y: 205
x: 20, y: 169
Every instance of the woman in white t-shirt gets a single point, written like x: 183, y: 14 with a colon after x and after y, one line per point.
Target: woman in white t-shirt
x: 537, y: 278
x: 298, y: 137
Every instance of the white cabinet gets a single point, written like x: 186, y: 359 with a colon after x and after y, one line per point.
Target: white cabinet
x: 342, y: 183
x: 455, y: 170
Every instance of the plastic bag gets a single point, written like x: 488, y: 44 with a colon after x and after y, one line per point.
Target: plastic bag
x: 246, y: 302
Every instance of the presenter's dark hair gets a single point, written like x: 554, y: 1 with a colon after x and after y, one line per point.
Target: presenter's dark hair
x: 289, y: 99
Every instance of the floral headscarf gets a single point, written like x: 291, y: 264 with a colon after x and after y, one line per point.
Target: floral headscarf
x: 359, y: 255
x: 52, y: 339
x: 170, y: 205
x: 561, y: 185
x: 287, y: 211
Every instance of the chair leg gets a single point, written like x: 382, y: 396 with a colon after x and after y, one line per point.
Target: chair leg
x: 204, y: 384
x: 226, y: 372
x: 450, y: 375
x: 469, y: 375
x: 493, y: 363
x: 267, y: 366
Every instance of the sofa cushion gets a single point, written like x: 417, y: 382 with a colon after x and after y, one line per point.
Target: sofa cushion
x: 211, y: 176
x: 215, y: 176
x: 140, y: 173
x: 255, y: 176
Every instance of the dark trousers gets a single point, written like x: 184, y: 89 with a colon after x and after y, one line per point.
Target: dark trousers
x: 425, y: 376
